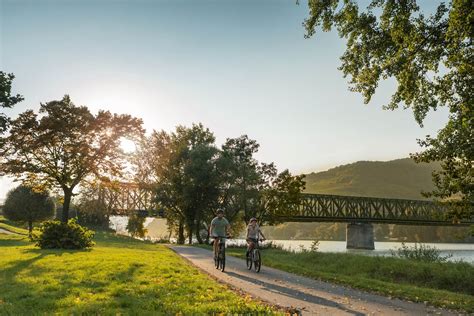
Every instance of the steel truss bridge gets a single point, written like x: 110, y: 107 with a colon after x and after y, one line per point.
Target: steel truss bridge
x: 336, y: 208
x: 129, y: 198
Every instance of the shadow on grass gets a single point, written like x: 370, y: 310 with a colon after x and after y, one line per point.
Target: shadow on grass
x: 56, y: 252
x: 15, y: 242
x: 46, y: 287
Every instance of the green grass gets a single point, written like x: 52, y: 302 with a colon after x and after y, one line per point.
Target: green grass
x: 118, y: 276
x: 448, y: 284
x: 11, y: 226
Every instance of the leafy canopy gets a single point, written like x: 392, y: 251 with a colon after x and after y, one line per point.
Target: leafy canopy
x: 65, y: 143
x: 7, y: 100
x: 431, y: 57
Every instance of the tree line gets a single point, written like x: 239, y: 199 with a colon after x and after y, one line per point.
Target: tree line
x: 64, y: 146
x: 192, y: 178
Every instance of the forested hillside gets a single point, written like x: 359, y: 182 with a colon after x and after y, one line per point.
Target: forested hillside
x: 401, y: 178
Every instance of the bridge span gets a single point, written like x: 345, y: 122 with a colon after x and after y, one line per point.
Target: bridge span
x: 358, y: 212
x: 361, y: 212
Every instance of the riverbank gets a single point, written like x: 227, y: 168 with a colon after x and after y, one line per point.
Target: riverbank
x: 448, y: 285
x: 118, y: 276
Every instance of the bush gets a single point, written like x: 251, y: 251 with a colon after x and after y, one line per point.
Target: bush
x: 136, y: 226
x: 55, y: 234
x: 420, y: 253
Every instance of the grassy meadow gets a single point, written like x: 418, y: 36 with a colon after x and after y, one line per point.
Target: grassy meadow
x: 118, y: 276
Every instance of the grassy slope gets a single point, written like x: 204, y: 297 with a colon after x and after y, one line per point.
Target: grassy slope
x: 447, y: 285
x: 11, y: 227
x: 118, y: 276
x: 401, y: 178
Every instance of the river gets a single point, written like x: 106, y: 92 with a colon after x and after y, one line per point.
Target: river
x: 459, y: 251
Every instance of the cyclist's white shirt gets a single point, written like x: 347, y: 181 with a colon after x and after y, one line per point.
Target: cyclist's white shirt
x: 252, y: 231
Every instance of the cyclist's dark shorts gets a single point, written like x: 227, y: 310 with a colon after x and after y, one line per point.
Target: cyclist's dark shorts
x: 214, y: 238
x: 254, y: 240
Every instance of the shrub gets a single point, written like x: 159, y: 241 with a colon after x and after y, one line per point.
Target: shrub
x: 70, y: 235
x: 420, y: 252
x: 136, y: 226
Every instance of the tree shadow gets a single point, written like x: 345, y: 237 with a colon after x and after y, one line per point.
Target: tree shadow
x: 14, y: 242
x: 56, y: 252
x: 37, y: 293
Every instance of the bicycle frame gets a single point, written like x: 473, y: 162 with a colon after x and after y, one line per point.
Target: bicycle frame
x: 219, y: 257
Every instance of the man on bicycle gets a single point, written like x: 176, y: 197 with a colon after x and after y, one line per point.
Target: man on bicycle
x: 219, y: 228
x: 253, y: 232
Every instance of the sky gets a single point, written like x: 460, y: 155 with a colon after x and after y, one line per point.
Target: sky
x: 238, y: 67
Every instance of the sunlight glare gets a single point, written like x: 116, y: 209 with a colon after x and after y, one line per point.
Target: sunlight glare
x: 128, y: 145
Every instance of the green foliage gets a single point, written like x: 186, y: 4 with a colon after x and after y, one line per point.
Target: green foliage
x: 119, y: 276
x: 420, y: 252
x: 192, y: 178
x: 7, y: 100
x: 447, y: 284
x: 180, y: 168
x: 431, y: 59
x: 23, y: 204
x: 59, y: 235
x: 91, y: 210
x: 64, y: 144
x: 135, y: 226
x: 254, y: 189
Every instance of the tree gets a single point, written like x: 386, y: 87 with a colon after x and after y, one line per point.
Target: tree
x: 7, y: 100
x: 23, y: 204
x: 66, y: 144
x: 91, y: 209
x: 240, y: 175
x: 180, y: 167
x: 432, y: 60
x: 254, y: 189
x: 135, y: 226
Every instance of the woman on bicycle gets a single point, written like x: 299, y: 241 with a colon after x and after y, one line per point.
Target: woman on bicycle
x: 253, y: 232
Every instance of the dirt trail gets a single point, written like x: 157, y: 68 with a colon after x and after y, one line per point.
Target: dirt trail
x: 310, y: 297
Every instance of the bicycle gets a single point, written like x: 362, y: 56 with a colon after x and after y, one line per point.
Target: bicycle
x: 254, y: 258
x: 219, y: 259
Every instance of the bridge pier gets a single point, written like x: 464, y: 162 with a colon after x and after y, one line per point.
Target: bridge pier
x: 360, y: 236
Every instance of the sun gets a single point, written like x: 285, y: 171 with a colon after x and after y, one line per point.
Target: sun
x: 128, y: 145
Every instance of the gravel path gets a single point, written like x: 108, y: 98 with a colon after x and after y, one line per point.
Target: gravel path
x: 309, y: 296
x: 3, y: 231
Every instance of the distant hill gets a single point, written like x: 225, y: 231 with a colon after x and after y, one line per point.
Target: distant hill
x: 401, y: 178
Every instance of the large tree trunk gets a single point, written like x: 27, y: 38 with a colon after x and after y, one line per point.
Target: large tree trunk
x: 181, y: 233
x: 190, y: 234
x: 198, y: 235
x: 66, y: 204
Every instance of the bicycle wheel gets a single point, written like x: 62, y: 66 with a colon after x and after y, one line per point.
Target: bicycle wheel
x: 216, y: 258
x: 222, y: 258
x: 257, y: 260
x: 249, y: 260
